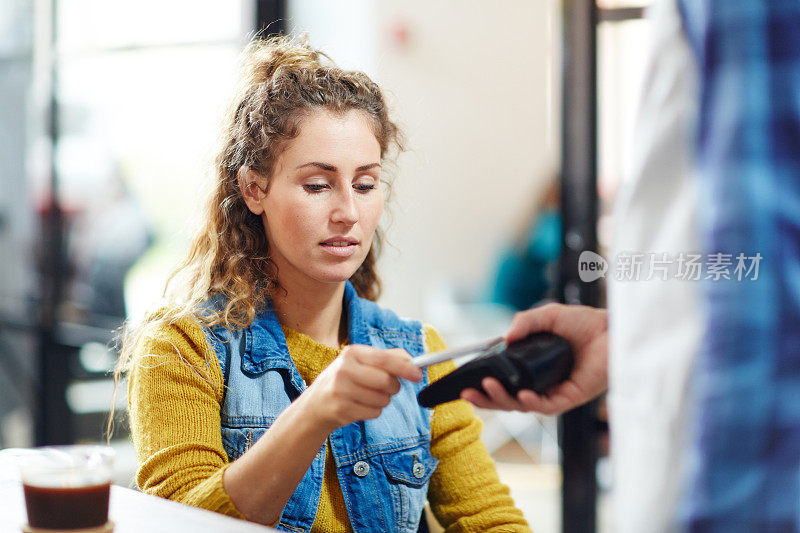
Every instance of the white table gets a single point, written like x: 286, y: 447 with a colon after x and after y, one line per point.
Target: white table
x: 133, y: 512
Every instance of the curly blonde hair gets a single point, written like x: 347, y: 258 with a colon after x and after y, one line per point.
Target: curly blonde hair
x: 282, y: 81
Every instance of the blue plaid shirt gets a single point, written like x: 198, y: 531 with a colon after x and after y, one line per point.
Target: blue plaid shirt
x: 744, y: 468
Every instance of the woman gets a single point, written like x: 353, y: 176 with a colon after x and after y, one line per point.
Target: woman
x: 271, y: 387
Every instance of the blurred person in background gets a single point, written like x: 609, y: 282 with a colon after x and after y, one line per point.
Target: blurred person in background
x: 270, y: 386
x: 704, y: 375
x: 526, y: 269
x: 108, y: 239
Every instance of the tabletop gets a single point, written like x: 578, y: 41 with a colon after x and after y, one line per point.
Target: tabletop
x: 133, y: 512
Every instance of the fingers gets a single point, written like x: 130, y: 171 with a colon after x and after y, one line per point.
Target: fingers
x: 371, y: 398
x: 476, y: 398
x: 495, y: 397
x: 586, y: 329
x: 350, y: 411
x: 537, y: 319
x: 530, y: 401
x: 371, y: 377
x: 499, y: 396
x: 396, y: 362
x: 578, y: 324
x: 359, y: 384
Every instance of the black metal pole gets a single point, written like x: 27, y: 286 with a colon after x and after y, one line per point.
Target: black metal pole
x: 271, y: 16
x: 579, y: 214
x: 52, y: 416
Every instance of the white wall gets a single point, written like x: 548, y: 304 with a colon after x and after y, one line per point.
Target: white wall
x: 470, y: 88
x: 345, y: 29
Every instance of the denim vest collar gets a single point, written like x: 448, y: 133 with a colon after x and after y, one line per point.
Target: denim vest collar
x: 266, y: 348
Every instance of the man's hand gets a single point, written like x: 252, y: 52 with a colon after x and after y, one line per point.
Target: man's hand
x: 586, y: 329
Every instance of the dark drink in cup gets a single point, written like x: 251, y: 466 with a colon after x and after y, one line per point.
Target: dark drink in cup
x: 67, y: 487
x: 67, y: 508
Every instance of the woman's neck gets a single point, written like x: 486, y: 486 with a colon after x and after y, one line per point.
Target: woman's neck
x: 315, y: 311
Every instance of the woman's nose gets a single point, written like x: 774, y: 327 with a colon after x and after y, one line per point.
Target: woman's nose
x: 345, y: 210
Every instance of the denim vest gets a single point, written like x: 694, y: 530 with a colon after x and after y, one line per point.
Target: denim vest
x: 384, y: 465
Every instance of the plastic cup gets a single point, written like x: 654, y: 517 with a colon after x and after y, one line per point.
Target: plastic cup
x: 67, y: 487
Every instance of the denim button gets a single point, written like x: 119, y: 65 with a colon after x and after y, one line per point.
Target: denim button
x: 361, y: 468
x: 418, y: 470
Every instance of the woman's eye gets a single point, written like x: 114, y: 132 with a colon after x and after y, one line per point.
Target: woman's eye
x: 315, y: 187
x: 364, y: 187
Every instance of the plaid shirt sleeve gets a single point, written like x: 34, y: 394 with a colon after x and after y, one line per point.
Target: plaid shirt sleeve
x: 744, y: 464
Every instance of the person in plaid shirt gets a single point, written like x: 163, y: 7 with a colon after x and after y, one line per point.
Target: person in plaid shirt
x: 744, y: 467
x: 724, y: 431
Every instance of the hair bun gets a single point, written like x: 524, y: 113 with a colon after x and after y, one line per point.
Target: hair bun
x: 266, y: 59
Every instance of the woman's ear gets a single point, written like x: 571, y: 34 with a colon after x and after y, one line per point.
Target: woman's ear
x: 251, y: 189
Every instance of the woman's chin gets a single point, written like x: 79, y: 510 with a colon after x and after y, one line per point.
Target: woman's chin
x: 337, y: 271
x: 335, y: 275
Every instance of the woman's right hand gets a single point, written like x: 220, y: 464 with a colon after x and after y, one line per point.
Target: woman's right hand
x: 358, y: 385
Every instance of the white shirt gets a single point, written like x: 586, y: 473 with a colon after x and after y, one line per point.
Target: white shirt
x: 655, y: 325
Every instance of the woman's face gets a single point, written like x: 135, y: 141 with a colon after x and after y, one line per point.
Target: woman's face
x: 324, y: 199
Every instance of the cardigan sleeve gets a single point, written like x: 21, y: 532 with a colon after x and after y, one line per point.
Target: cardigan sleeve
x: 174, y: 397
x: 465, y: 492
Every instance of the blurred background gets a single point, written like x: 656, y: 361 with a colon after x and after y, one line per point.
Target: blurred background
x: 109, y: 113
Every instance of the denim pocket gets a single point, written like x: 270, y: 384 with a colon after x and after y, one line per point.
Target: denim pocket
x: 238, y: 440
x: 409, y: 472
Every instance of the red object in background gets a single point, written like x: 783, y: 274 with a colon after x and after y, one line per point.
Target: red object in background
x: 399, y: 33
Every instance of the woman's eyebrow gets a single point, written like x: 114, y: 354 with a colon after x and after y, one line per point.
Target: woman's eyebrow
x: 331, y: 168
x: 323, y: 166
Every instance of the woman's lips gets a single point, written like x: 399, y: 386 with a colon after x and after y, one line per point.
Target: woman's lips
x: 339, y: 249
